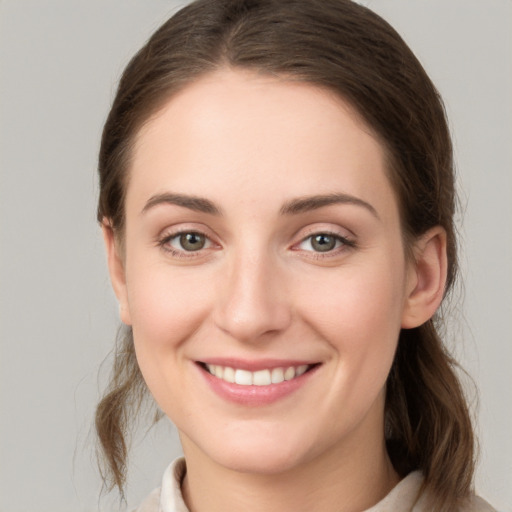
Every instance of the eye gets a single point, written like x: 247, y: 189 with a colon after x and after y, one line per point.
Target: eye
x: 186, y: 241
x: 189, y: 241
x: 324, y: 242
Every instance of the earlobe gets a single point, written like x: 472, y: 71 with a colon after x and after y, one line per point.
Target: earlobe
x: 116, y: 270
x: 427, y: 278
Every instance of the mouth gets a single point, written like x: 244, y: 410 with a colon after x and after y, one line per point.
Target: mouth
x: 260, y: 377
x: 256, y: 382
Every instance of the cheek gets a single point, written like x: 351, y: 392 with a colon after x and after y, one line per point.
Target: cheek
x: 358, y: 310
x: 355, y: 299
x: 360, y: 318
x: 166, y: 305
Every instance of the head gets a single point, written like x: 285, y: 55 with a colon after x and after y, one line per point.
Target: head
x: 349, y: 55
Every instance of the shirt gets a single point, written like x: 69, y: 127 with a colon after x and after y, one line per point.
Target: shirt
x: 402, y: 498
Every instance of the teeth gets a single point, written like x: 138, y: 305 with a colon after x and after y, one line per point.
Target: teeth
x: 261, y: 378
x: 243, y: 377
x: 301, y: 369
x: 258, y: 378
x: 289, y: 373
x: 277, y: 375
x: 229, y: 374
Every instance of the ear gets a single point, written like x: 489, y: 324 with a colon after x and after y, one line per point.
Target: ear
x: 116, y: 269
x: 426, y: 278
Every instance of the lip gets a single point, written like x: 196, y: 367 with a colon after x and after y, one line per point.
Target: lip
x: 253, y: 396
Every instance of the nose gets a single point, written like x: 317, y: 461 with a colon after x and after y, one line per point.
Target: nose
x: 253, y: 303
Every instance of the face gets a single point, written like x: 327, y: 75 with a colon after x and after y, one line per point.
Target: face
x: 263, y: 271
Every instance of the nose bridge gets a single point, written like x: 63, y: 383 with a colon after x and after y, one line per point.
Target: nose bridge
x: 253, y: 301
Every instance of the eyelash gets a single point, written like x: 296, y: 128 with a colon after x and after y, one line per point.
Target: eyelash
x: 164, y: 243
x: 345, y: 243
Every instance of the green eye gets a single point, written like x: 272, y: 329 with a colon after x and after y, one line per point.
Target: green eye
x: 186, y: 244
x: 323, y: 242
x: 189, y: 241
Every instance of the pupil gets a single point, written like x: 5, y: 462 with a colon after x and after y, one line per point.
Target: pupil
x: 323, y: 243
x: 192, y: 241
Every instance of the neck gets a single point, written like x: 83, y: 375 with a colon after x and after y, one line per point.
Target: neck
x: 332, y: 482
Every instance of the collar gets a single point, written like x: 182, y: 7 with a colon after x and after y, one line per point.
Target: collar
x: 402, y: 497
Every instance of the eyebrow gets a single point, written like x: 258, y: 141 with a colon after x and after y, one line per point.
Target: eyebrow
x: 293, y: 207
x: 309, y: 203
x: 198, y: 204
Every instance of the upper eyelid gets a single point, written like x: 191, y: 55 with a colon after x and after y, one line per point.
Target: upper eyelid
x: 299, y: 236
x: 170, y: 233
x: 325, y: 232
x: 345, y: 241
x: 323, y: 228
x: 178, y: 229
x: 175, y: 234
x: 163, y: 243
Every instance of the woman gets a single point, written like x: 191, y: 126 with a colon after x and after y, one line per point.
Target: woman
x: 277, y: 199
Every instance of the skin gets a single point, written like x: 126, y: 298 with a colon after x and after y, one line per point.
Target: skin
x: 251, y: 144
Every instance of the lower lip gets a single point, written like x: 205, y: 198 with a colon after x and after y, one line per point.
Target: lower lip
x: 256, y: 395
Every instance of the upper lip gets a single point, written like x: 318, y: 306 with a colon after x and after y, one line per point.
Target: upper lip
x: 254, y: 365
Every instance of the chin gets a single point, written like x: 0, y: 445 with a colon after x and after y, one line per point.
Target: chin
x: 258, y: 463
x: 260, y: 456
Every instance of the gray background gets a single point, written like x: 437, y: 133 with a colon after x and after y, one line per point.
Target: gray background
x: 59, y: 62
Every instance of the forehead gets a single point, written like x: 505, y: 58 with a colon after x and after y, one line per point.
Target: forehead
x: 253, y: 134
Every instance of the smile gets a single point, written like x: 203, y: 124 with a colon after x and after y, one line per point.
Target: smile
x: 264, y: 377
x: 256, y: 383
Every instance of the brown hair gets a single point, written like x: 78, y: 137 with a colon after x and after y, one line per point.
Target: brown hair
x: 345, y: 47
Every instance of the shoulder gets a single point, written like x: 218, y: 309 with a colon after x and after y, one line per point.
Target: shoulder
x: 472, y: 504
x: 409, y: 496
x: 477, y: 504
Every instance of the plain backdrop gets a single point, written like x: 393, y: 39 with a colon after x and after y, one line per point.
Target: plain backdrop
x: 59, y: 63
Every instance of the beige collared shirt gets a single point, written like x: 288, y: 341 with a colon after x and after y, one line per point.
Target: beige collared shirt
x: 403, y: 498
